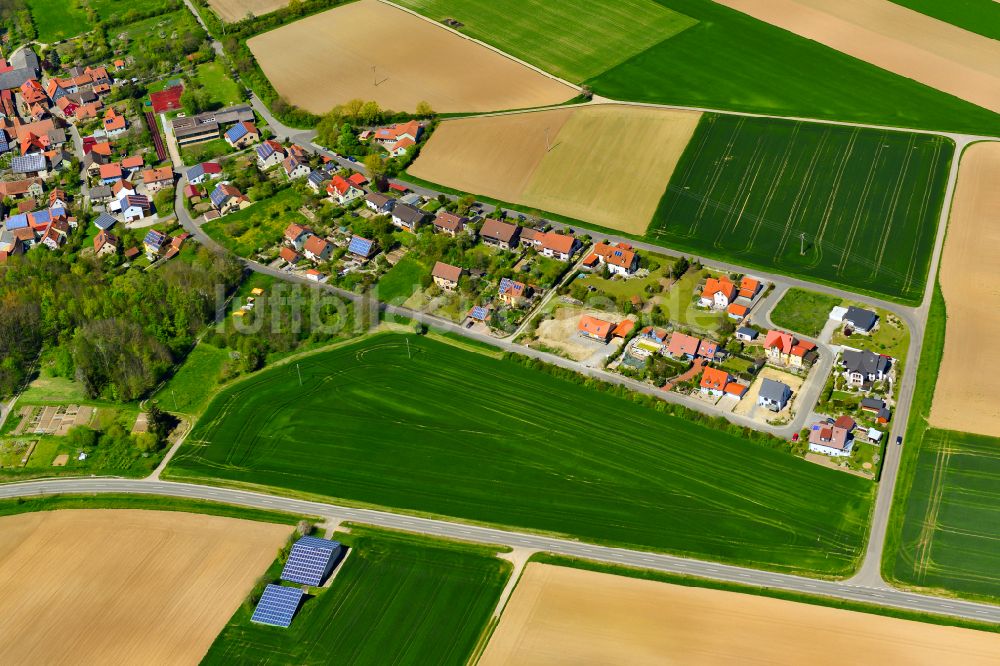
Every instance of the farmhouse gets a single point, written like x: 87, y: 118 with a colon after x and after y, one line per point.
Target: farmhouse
x: 832, y: 440
x: 774, y: 395
x: 513, y: 293
x: 446, y: 276
x: 861, y: 368
x: 595, y: 329
x: 407, y: 217
x: 449, y: 223
x: 862, y: 321
x: 379, y: 203
x: 205, y: 126
x: 500, y: 234
x: 619, y: 258
x: 269, y: 154
x: 718, y: 293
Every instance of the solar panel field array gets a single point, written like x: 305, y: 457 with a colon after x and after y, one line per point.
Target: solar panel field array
x: 429, y: 427
x: 848, y: 206
x: 396, y: 599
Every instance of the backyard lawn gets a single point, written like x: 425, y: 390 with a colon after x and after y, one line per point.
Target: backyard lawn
x: 221, y: 88
x: 205, y: 151
x: 260, y: 226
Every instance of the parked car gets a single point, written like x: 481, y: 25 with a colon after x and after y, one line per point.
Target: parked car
x: 795, y: 437
x: 469, y: 325
x: 899, y: 440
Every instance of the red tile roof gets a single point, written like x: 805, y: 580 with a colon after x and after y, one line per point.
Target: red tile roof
x: 681, y: 343
x: 714, y: 379
x: 595, y: 327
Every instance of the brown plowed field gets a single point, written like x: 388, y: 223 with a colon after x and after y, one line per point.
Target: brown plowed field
x: 567, y: 616
x: 231, y: 11
x: 972, y: 296
x: 607, y: 164
x: 895, y: 38
x: 123, y: 586
x: 327, y: 59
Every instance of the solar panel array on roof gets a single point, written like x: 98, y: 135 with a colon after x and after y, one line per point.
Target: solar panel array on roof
x: 479, y: 312
x: 4, y: 145
x: 219, y: 196
x: 28, y: 163
x: 277, y: 606
x: 360, y: 246
x: 310, y: 561
x: 236, y: 132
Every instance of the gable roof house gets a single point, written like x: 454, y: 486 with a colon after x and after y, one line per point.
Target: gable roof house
x: 718, y: 293
x: 832, y: 440
x: 619, y: 258
x: 135, y: 207
x: 317, y: 249
x: 114, y: 123
x: 26, y: 187
x: 379, y: 203
x: 242, y: 134
x: 296, y: 235
x: 270, y: 153
x: 682, y: 345
x: 289, y: 255
x: 105, y: 243
x: 362, y: 248
x: 594, y: 328
x: 714, y: 382
x: 343, y: 191
x: 157, y: 179
x: 226, y: 198
x: 109, y: 173
x: 317, y: 180
x: 557, y: 246
x: 449, y: 223
x: 295, y: 167
x: 55, y: 235
x: 860, y: 319
x: 154, y: 242
x: 407, y: 217
x: 862, y: 367
x: 513, y: 293
x: 199, y: 173
x: 446, y: 276
x: 773, y: 395
x: 500, y: 234
x: 33, y: 164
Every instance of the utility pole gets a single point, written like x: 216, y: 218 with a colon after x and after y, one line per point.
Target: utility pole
x: 300, y: 373
x: 802, y: 243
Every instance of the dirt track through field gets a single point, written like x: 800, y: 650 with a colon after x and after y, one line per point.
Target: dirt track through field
x: 124, y: 586
x: 231, y: 11
x: 606, y: 164
x: 963, y: 398
x: 372, y: 51
x: 895, y: 38
x: 559, y: 615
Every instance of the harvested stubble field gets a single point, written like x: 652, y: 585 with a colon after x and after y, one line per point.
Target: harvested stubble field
x: 124, y: 586
x: 395, y: 599
x: 866, y: 200
x: 952, y: 521
x: 572, y: 616
x: 972, y: 296
x: 373, y: 51
x: 367, y: 424
x: 231, y: 11
x: 603, y: 164
x: 573, y: 39
x: 894, y: 38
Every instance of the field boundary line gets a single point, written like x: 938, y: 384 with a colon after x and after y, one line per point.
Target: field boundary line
x: 483, y: 44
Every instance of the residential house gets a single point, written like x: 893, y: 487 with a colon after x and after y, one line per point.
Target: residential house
x: 226, y: 198
x: 110, y: 173
x: 595, y: 329
x: 193, y: 193
x: 105, y: 243
x: 295, y: 167
x: 104, y: 221
x: 682, y: 345
x: 778, y: 347
x: 114, y: 123
x: 55, y: 235
x: 514, y: 293
x: 361, y: 248
x: 154, y: 242
x: 831, y: 440
x: 861, y: 320
x: 746, y: 334
x: 862, y: 367
x: 100, y: 194
x: 22, y: 65
x: 446, y: 276
x: 317, y: 249
x: 407, y: 217
x: 242, y: 134
x: 296, y: 235
x: 749, y: 287
x: 803, y: 354
x: 131, y: 164
x: 33, y: 164
x: 773, y: 395
x: 343, y: 191
x: 269, y: 154
x: 556, y: 246
x: 135, y: 207
x: 714, y: 382
x: 32, y: 92
x: 500, y: 234
x: 289, y: 255
x: 317, y: 180
x: 718, y: 293
x: 878, y: 407
x: 737, y: 311
x: 200, y: 173
x: 158, y: 179
x: 656, y: 334
x: 26, y: 187
x: 449, y: 223
x: 379, y: 203
x: 619, y: 258
x: 122, y: 187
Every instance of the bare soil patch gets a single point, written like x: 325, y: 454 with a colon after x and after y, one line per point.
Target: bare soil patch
x: 231, y: 11
x: 969, y: 283
x: 123, y: 586
x: 747, y: 406
x: 328, y: 58
x: 559, y: 615
x: 895, y: 38
x: 562, y: 333
x: 607, y: 164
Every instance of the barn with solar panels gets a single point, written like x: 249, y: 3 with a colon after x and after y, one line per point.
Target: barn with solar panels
x: 277, y: 606
x: 311, y: 561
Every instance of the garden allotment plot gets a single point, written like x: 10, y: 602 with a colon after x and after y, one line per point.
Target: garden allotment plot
x: 848, y: 206
x: 428, y: 427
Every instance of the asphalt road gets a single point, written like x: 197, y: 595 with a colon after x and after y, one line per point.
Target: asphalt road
x: 489, y: 535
